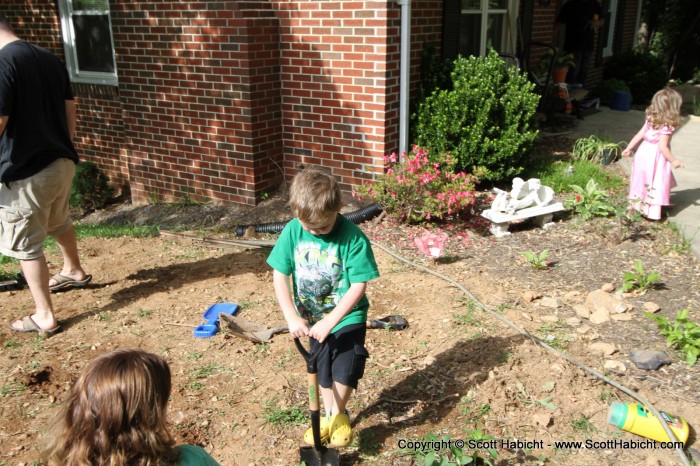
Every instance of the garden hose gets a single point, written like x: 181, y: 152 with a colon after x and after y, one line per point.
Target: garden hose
x: 373, y: 209
x: 638, y: 397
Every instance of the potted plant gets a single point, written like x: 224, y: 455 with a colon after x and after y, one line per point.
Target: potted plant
x: 558, y: 62
x: 595, y: 149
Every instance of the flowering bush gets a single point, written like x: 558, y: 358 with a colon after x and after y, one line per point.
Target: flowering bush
x: 419, y: 189
x: 590, y: 201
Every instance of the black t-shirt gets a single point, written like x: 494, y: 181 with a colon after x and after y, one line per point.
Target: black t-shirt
x: 34, y: 87
x: 577, y: 15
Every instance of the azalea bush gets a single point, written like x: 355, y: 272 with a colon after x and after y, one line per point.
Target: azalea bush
x: 422, y: 187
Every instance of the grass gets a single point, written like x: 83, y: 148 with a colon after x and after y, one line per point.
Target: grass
x: 559, y: 177
x: 9, y: 267
x: 284, y: 416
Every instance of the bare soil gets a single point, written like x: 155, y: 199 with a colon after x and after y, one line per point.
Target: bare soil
x: 455, y: 369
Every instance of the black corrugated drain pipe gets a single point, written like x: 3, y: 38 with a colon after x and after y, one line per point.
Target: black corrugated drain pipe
x: 355, y: 217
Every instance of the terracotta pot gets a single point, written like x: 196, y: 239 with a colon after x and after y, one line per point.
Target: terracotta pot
x: 559, y: 75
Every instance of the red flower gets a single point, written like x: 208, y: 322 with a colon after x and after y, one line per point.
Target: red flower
x: 578, y: 198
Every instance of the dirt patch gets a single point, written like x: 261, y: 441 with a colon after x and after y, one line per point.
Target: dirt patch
x: 455, y: 369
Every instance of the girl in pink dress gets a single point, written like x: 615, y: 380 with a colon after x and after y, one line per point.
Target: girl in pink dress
x: 651, y: 180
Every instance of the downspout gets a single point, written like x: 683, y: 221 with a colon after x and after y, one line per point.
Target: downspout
x: 405, y: 73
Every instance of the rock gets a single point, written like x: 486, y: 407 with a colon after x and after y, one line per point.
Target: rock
x: 583, y: 329
x: 526, y: 316
x: 551, y: 319
x: 573, y: 321
x: 542, y: 419
x: 606, y: 349
x: 582, y: 311
x: 550, y: 302
x: 600, y: 316
x: 608, y: 287
x: 651, y: 307
x: 615, y: 366
x: 621, y: 317
x: 572, y: 296
x: 648, y: 359
x: 429, y: 360
x: 529, y: 296
x: 599, y: 300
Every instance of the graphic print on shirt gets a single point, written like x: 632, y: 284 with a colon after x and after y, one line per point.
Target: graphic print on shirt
x: 318, y: 275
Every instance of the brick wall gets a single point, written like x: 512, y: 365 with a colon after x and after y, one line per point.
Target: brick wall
x: 222, y: 101
x: 339, y: 74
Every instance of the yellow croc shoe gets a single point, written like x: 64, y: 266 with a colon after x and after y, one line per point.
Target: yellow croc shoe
x: 309, y: 434
x: 340, y: 431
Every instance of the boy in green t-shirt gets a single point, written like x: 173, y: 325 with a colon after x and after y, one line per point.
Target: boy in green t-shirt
x: 330, y: 261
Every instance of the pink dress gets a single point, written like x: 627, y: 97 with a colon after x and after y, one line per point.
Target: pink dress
x: 652, y: 179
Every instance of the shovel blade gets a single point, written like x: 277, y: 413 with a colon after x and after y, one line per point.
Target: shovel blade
x: 319, y: 457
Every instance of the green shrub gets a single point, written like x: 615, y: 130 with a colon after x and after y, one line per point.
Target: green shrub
x: 485, y: 121
x: 90, y: 189
x: 607, y: 88
x: 643, y: 72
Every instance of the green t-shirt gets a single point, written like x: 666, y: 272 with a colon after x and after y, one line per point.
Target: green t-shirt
x: 323, y: 267
x: 191, y: 455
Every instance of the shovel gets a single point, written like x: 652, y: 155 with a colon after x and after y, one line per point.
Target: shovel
x: 318, y: 455
x: 251, y: 331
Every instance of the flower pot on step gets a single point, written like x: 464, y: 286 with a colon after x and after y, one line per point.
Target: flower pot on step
x: 559, y: 75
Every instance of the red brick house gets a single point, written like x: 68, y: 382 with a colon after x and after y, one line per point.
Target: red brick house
x: 222, y: 100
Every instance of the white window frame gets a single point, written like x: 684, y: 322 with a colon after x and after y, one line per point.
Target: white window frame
x: 65, y: 9
x: 509, y: 37
x: 608, y: 49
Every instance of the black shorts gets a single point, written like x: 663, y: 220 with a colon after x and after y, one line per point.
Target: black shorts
x: 342, y: 359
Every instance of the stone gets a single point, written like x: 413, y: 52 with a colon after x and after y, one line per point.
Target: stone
x: 621, y: 317
x: 599, y: 317
x: 550, y: 319
x: 582, y: 311
x: 526, y: 316
x: 649, y: 360
x: 615, y: 366
x: 651, y: 307
x: 550, y: 302
x: 608, y: 287
x: 573, y: 321
x: 606, y: 349
x: 542, y: 419
x: 599, y: 300
x: 529, y: 296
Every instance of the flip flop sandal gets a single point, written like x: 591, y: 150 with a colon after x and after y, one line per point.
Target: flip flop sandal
x: 309, y: 434
x: 341, y: 431
x: 68, y: 283
x: 390, y: 322
x: 28, y: 325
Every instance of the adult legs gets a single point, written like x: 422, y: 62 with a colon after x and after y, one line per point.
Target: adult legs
x: 36, y: 272
x: 68, y: 245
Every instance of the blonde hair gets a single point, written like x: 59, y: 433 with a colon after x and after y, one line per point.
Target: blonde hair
x: 115, y: 414
x: 315, y: 197
x: 665, y: 108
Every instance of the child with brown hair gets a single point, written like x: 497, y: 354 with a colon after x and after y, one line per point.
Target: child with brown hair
x: 116, y: 415
x: 652, y: 179
x: 330, y: 261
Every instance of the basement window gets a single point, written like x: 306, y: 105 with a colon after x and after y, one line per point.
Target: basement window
x: 87, y: 40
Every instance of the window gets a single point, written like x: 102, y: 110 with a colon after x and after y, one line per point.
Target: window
x: 611, y: 19
x: 87, y: 39
x: 471, y: 27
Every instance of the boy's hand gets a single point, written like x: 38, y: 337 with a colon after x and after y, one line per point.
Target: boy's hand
x: 626, y: 153
x: 298, y: 327
x: 321, y: 329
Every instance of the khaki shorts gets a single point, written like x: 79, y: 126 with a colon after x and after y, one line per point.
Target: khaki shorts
x: 33, y: 208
